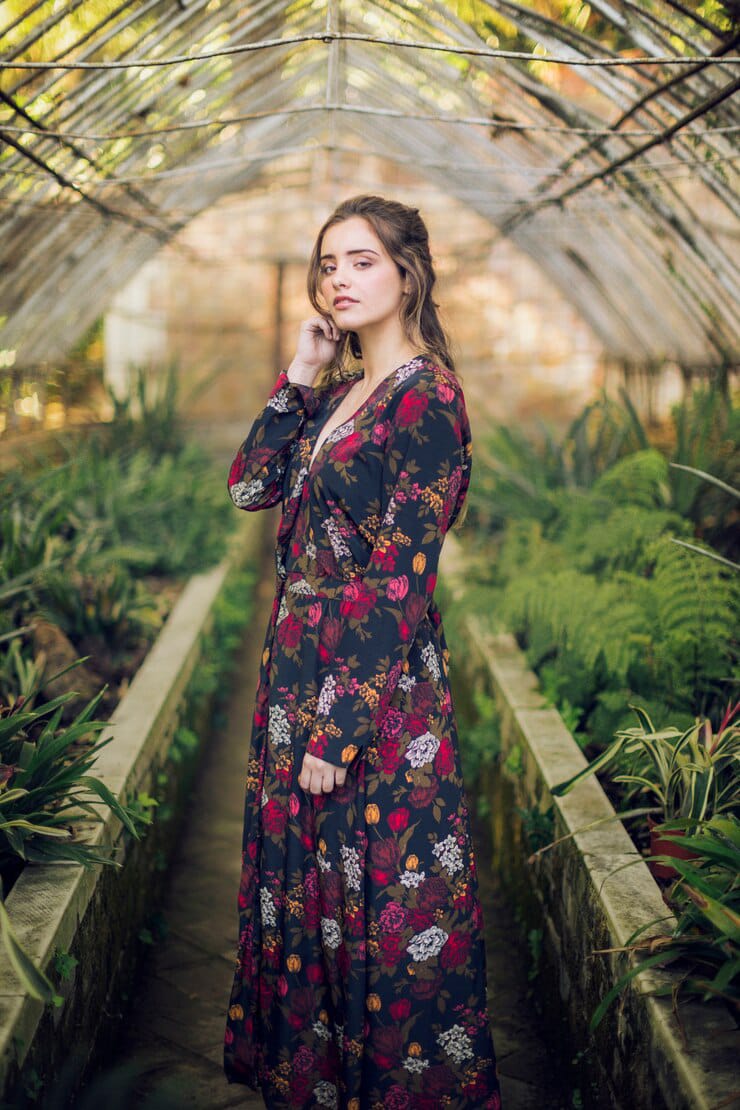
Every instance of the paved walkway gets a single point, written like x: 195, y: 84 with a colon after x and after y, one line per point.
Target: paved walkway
x: 173, y: 1035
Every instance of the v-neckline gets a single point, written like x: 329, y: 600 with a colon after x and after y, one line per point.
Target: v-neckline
x: 316, y: 451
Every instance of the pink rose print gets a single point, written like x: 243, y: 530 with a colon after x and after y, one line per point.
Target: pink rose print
x: 398, y: 587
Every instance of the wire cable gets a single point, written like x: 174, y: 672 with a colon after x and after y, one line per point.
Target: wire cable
x: 379, y: 40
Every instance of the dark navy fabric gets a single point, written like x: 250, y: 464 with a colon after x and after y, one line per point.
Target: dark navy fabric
x: 360, y: 978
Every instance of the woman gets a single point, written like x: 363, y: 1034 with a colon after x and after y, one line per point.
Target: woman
x: 361, y: 977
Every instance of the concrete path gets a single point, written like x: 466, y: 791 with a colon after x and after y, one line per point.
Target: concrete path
x: 173, y: 1033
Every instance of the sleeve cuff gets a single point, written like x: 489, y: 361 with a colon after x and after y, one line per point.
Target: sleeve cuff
x: 309, y: 397
x: 324, y: 747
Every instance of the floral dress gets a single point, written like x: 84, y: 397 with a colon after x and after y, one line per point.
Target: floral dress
x: 360, y: 978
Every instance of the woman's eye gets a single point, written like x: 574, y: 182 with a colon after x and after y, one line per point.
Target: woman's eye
x: 328, y: 267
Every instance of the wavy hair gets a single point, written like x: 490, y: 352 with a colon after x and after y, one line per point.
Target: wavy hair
x: 404, y: 235
x: 405, y: 238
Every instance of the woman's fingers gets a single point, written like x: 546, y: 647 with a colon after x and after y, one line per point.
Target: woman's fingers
x: 319, y: 777
x: 329, y: 328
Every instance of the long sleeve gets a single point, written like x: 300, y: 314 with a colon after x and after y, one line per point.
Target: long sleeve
x: 427, y: 466
x: 256, y: 474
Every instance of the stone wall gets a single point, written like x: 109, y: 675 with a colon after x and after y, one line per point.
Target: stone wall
x: 209, y: 300
x: 96, y: 915
x: 590, y: 893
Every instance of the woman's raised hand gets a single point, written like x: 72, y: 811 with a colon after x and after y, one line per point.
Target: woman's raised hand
x: 319, y: 777
x: 317, y: 345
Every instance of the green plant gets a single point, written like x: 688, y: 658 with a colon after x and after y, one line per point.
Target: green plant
x: 109, y: 607
x: 514, y: 764
x: 147, y: 413
x: 706, y: 432
x: 534, y: 938
x: 704, y: 945
x: 45, y: 775
x: 482, y: 737
x: 521, y: 474
x: 64, y: 964
x: 690, y: 774
x: 537, y: 825
x: 733, y: 492
x: 43, y: 778
x: 593, y: 563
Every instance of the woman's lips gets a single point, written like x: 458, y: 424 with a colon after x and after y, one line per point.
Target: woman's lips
x: 345, y: 302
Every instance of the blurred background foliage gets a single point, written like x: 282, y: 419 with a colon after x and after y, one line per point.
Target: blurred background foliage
x: 572, y: 547
x: 101, y: 527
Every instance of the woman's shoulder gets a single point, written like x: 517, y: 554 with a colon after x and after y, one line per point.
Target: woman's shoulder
x: 429, y: 406
x: 426, y: 370
x: 425, y: 377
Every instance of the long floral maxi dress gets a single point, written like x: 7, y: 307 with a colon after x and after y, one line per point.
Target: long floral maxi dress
x: 360, y: 977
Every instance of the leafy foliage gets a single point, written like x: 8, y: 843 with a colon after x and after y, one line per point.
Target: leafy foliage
x: 705, y: 942
x: 85, y: 529
x: 45, y: 775
x: 588, y: 572
x: 690, y: 774
x: 92, y: 526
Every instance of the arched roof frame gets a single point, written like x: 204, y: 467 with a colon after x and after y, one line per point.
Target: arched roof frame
x: 619, y: 180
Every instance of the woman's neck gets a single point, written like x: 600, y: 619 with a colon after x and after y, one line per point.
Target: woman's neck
x: 381, y: 356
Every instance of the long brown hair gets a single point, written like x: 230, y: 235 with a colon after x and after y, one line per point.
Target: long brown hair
x: 404, y: 235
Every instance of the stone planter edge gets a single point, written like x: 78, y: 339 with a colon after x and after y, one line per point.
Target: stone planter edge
x: 49, y: 901
x: 697, y: 1074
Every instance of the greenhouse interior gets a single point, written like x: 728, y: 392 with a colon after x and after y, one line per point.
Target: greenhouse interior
x: 165, y: 169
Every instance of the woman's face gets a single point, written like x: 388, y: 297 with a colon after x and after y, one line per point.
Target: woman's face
x: 358, y: 281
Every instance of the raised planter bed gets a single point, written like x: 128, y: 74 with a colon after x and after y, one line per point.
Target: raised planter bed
x: 97, y: 915
x: 641, y: 1055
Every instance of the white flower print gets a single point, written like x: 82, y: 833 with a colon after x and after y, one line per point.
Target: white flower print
x: 427, y: 944
x: 412, y: 878
x: 390, y: 513
x: 278, y: 727
x: 407, y: 682
x: 244, y: 493
x: 267, y: 908
x: 410, y: 368
x: 298, y: 484
x: 415, y: 1065
x: 321, y: 1030
x: 422, y: 749
x: 328, y: 694
x: 341, y: 432
x: 456, y: 1043
x: 324, y: 863
x: 279, y: 401
x: 352, y: 872
x: 311, y: 549
x: 331, y: 932
x: 339, y: 547
x: 326, y: 1093
x: 302, y: 587
x: 431, y: 662
x: 449, y: 854
x: 282, y: 611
